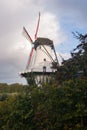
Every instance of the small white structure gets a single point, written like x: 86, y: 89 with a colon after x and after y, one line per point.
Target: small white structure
x: 41, y: 60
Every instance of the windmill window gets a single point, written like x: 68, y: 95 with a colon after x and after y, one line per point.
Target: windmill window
x: 40, y: 47
x: 44, y: 68
x: 44, y: 59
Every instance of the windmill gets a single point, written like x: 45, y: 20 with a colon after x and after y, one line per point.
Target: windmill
x: 42, y: 60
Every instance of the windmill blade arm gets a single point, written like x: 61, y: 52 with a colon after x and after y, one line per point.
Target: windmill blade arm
x: 37, y: 27
x: 26, y: 34
x: 30, y: 57
x: 55, y: 55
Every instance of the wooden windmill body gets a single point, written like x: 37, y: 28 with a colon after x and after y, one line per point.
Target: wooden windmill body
x: 41, y: 59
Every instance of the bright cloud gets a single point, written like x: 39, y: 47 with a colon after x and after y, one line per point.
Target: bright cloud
x: 50, y: 27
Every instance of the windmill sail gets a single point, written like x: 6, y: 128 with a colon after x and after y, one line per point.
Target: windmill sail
x: 26, y: 34
x: 37, y: 27
x: 30, y: 58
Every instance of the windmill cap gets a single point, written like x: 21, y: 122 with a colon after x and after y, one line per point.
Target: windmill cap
x: 43, y: 41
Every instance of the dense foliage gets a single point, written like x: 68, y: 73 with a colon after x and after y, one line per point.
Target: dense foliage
x: 46, y: 108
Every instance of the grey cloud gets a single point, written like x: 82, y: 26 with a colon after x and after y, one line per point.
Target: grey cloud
x: 13, y: 15
x: 74, y: 10
x: 10, y: 65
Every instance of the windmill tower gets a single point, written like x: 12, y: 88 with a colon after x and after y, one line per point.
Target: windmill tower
x: 42, y: 59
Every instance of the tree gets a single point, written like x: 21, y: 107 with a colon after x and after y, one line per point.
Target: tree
x: 76, y: 66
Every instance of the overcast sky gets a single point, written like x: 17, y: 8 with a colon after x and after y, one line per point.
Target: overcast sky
x: 59, y: 18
